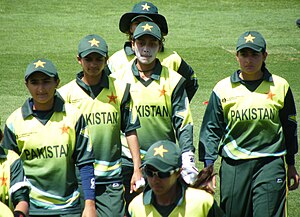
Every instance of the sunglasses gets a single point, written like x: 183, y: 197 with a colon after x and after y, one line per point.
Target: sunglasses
x: 159, y: 174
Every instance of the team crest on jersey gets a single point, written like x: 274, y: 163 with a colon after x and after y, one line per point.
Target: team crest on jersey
x: 112, y: 98
x: 162, y: 92
x: 65, y: 129
x: 3, y: 180
x: 270, y: 95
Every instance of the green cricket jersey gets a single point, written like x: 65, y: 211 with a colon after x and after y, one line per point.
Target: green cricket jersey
x: 13, y: 187
x: 49, y: 149
x: 191, y: 202
x: 107, y: 114
x: 246, y: 120
x: 162, y: 107
x: 119, y: 60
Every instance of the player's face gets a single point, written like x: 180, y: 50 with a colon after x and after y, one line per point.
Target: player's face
x: 146, y: 48
x: 250, y: 63
x: 163, y: 186
x: 92, y: 64
x: 42, y: 89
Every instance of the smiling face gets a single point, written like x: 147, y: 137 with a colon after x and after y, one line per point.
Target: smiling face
x: 250, y: 63
x: 42, y: 89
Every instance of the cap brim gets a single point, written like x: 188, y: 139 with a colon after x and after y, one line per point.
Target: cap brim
x: 125, y: 21
x: 158, y: 164
x: 87, y: 52
x: 39, y: 70
x: 141, y: 16
x: 251, y: 46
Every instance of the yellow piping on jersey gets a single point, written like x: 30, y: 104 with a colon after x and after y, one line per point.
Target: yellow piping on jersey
x: 237, y: 153
x: 53, y: 202
x: 104, y: 168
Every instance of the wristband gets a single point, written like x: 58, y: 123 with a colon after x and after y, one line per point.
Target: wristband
x: 19, y: 213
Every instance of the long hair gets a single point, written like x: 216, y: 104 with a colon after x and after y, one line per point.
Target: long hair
x: 204, y: 179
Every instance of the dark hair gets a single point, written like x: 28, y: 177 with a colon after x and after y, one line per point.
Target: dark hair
x: 204, y: 177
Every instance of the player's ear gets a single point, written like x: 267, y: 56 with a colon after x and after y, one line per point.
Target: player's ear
x: 57, y: 82
x: 132, y: 45
x: 160, y: 46
x: 236, y: 56
x: 78, y: 59
x: 265, y: 54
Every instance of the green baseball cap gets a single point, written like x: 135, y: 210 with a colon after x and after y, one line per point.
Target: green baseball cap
x: 163, y: 155
x: 41, y: 65
x: 146, y: 10
x: 147, y: 28
x: 253, y: 40
x: 92, y: 44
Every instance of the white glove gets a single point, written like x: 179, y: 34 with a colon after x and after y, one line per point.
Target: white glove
x: 140, y: 183
x: 189, y: 170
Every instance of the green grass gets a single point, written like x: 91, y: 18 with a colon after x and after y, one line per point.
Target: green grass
x: 203, y: 32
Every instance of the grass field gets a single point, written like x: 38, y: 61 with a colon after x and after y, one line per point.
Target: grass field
x: 203, y: 32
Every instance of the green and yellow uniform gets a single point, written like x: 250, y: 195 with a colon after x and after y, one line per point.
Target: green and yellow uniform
x: 107, y: 113
x: 120, y: 60
x: 268, y: 107
x: 190, y: 202
x: 13, y: 187
x: 49, y: 147
x: 162, y: 107
x: 252, y: 126
x: 163, y: 110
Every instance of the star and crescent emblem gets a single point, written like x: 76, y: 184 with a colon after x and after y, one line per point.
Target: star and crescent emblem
x: 160, y: 151
x: 39, y: 64
x: 94, y: 42
x: 249, y: 38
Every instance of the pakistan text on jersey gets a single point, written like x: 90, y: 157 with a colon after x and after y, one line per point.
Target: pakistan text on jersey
x: 152, y: 111
x: 101, y: 118
x: 253, y: 114
x: 56, y: 151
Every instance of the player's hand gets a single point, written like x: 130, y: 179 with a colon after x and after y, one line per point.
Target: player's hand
x: 89, y: 209
x: 189, y: 171
x: 293, y: 177
x: 137, y: 182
